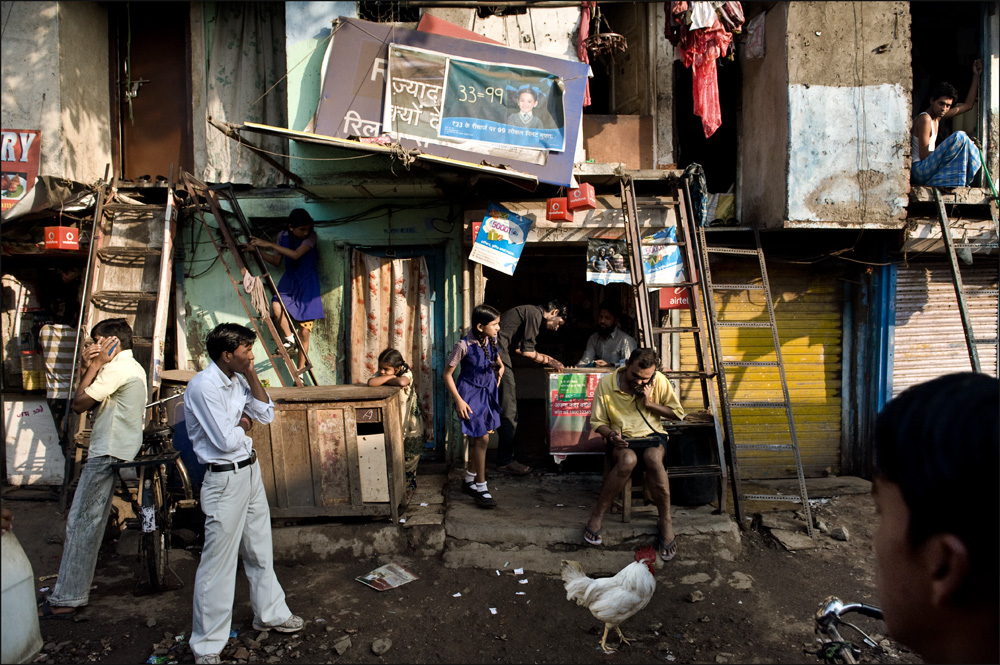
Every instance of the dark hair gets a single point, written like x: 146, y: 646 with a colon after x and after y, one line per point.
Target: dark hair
x: 530, y: 91
x: 481, y: 315
x: 393, y: 358
x: 114, y: 328
x: 644, y: 358
x: 943, y: 89
x: 299, y: 217
x: 612, y: 308
x: 558, y: 306
x: 228, y: 337
x: 938, y: 441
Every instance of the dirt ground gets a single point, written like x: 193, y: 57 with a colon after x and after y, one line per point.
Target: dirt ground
x: 756, y: 609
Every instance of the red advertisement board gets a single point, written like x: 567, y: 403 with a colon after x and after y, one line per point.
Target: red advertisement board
x: 20, y: 151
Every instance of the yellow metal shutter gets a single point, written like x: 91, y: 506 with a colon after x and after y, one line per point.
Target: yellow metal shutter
x: 929, y: 338
x: 808, y: 312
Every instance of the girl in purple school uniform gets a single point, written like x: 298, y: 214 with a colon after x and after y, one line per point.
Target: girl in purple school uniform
x: 476, y: 396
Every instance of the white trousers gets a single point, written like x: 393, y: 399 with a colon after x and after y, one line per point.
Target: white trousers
x: 237, y: 524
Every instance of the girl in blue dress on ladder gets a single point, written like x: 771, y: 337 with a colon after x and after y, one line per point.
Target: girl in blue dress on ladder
x: 476, y: 396
x: 299, y: 285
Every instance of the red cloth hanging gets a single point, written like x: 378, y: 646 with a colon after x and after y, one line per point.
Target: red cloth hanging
x: 581, y: 43
x: 699, y: 50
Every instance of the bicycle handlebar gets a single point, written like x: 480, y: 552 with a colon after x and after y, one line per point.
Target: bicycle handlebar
x: 831, y: 609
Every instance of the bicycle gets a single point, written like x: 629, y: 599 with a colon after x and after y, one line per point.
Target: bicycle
x: 163, y: 486
x: 833, y: 648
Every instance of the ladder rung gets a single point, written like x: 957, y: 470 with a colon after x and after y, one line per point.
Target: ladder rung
x: 688, y: 471
x: 993, y: 293
x: 707, y: 229
x: 128, y: 252
x: 773, y: 497
x: 739, y: 287
x: 764, y: 446
x: 662, y: 243
x: 688, y: 374
x: 974, y: 245
x: 124, y: 296
x: 136, y: 207
x: 670, y: 329
x: 749, y: 363
x: 731, y: 250
x: 985, y: 341
x: 758, y: 405
x: 742, y: 324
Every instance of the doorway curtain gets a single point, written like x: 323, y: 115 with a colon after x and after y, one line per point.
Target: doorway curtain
x: 245, y: 81
x: 391, y: 308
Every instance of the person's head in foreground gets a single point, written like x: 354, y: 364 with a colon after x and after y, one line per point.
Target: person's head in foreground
x: 936, y: 492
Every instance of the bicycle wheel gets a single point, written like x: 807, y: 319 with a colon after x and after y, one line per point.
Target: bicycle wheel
x: 155, y: 525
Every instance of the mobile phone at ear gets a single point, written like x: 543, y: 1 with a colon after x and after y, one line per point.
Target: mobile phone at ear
x: 112, y: 349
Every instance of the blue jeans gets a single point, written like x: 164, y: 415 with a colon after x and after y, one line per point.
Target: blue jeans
x: 85, y: 526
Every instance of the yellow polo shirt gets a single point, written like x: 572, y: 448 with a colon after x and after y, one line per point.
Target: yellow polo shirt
x: 120, y: 387
x: 620, y: 411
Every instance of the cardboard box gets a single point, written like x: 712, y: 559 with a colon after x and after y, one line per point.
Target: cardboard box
x: 582, y: 198
x: 557, y: 210
x: 61, y: 237
x: 614, y: 139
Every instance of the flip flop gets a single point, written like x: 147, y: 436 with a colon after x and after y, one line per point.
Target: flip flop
x: 47, y: 612
x: 670, y: 548
x: 515, y: 468
x: 591, y: 537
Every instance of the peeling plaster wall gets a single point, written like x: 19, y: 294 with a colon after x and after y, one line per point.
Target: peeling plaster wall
x: 850, y: 84
x: 847, y: 166
x: 764, y: 143
x: 30, y: 70
x: 84, y: 84
x: 55, y: 78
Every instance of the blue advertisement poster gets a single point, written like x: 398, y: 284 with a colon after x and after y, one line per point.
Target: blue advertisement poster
x: 500, y: 239
x: 503, y: 104
x: 661, y: 258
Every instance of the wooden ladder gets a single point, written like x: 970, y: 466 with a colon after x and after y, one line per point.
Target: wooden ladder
x: 232, y: 231
x: 648, y: 334
x: 764, y: 370
x: 129, y: 276
x: 972, y: 341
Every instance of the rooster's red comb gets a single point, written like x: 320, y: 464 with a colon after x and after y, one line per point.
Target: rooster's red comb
x: 646, y: 553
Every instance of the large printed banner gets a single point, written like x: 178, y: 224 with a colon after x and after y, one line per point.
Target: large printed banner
x: 380, y: 78
x: 661, y: 258
x: 506, y: 104
x: 21, y: 153
x: 414, y: 88
x: 500, y: 239
x: 571, y: 396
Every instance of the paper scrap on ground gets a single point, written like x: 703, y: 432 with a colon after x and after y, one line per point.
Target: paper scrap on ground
x: 519, y: 593
x: 456, y: 595
x: 424, y: 503
x: 493, y: 610
x: 389, y: 576
x: 519, y: 571
x: 522, y: 581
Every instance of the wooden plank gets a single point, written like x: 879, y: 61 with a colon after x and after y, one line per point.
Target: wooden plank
x: 330, y: 445
x: 349, y: 393
x: 353, y: 472
x: 297, y: 468
x: 394, y: 452
x: 261, y: 435
x: 278, y: 457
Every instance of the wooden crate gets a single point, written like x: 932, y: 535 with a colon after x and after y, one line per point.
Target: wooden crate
x: 333, y: 451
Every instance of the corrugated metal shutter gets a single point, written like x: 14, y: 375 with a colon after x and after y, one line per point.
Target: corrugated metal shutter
x: 929, y: 338
x: 808, y: 312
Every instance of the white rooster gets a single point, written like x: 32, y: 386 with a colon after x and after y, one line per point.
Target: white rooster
x: 613, y: 599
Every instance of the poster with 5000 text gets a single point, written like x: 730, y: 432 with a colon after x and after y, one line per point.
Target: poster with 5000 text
x: 500, y: 239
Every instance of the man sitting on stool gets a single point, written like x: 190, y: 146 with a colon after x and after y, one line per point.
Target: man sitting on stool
x: 628, y: 403
x: 955, y: 162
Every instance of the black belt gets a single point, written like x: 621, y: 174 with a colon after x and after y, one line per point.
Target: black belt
x: 232, y: 466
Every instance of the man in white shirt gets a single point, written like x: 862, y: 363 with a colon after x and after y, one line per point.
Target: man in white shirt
x: 956, y: 160
x: 610, y: 345
x: 219, y: 403
x: 115, y: 383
